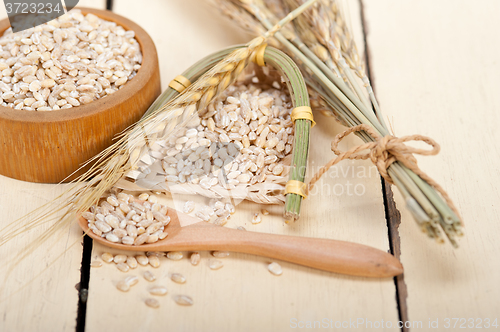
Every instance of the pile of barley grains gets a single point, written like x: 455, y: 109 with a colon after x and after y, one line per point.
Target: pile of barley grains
x: 69, y: 61
x: 244, y: 138
x: 246, y: 130
x: 122, y: 218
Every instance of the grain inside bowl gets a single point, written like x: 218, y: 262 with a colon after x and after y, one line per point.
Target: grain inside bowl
x: 32, y: 141
x: 72, y: 60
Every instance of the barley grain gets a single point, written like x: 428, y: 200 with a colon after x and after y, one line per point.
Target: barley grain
x: 96, y: 264
x: 178, y: 278
x: 183, y: 300
x: 143, y: 196
x: 256, y: 218
x: 188, y: 207
x: 142, y: 260
x: 153, y: 303
x: 215, y: 264
x: 123, y: 286
x: 120, y: 258
x: 107, y: 257
x: 154, y: 261
x: 122, y: 267
x: 175, y: 255
x: 132, y: 262
x: 195, y: 258
x: 128, y: 240
x: 102, y: 226
x: 141, y: 239
x: 158, y: 290
x: 112, y: 238
x: 132, y: 280
x: 275, y: 269
x: 149, y: 276
x: 152, y: 238
x: 220, y: 254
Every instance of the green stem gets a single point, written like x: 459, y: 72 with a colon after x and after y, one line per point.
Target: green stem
x: 300, y: 97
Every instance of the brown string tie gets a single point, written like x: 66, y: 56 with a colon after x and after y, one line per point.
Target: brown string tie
x: 383, y: 152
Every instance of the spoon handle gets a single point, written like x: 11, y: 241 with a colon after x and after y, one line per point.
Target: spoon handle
x: 324, y: 254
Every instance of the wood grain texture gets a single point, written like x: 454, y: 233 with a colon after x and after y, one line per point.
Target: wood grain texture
x: 59, y: 142
x: 436, y: 73
x: 32, y: 298
x: 183, y: 31
x: 49, y: 302
x: 243, y: 295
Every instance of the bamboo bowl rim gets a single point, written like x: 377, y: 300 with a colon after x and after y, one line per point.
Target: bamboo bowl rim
x: 132, y: 87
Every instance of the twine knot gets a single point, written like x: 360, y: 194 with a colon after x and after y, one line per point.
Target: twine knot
x: 382, y: 152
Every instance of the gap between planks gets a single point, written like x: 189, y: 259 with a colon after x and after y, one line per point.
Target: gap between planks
x: 392, y: 214
x: 109, y: 5
x: 83, y: 286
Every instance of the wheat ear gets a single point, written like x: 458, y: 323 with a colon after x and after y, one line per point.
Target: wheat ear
x: 120, y: 158
x: 179, y: 112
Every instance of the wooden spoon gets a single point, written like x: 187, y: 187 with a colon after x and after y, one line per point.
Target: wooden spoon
x: 328, y: 255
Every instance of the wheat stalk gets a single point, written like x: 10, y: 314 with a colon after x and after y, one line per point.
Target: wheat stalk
x: 162, y: 122
x: 116, y: 161
x: 330, y: 61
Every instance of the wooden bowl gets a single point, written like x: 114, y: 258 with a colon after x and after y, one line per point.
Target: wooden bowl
x: 49, y: 146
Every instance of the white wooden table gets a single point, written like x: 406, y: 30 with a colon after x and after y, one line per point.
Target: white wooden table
x: 435, y: 68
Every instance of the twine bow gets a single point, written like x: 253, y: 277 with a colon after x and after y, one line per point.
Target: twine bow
x: 383, y: 152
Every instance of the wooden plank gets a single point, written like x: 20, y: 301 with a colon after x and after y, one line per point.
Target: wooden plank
x: 101, y: 4
x: 435, y: 73
x: 243, y: 295
x: 29, y: 301
x: 184, y: 31
x: 40, y: 294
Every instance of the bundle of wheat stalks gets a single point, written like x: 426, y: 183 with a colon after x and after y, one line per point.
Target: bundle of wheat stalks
x: 321, y: 43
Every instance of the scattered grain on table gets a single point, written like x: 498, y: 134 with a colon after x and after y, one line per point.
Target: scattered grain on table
x: 175, y: 255
x: 220, y: 254
x: 158, y: 290
x: 215, y: 264
x: 149, y: 276
x: 178, y: 278
x: 195, y: 258
x: 275, y: 269
x: 96, y: 264
x: 153, y: 303
x: 107, y: 257
x: 183, y: 300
